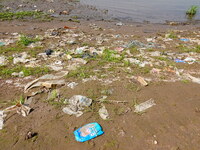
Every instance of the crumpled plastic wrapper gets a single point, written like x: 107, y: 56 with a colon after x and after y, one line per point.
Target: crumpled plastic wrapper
x: 76, y: 104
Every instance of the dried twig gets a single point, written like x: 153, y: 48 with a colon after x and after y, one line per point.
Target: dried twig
x: 112, y: 101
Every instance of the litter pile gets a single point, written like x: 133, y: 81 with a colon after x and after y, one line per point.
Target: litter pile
x: 105, y: 58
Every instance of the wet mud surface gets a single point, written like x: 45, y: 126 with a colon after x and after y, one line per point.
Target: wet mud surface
x: 172, y: 124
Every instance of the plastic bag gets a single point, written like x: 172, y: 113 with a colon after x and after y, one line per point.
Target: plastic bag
x: 88, y: 132
x: 144, y: 106
x: 76, y: 104
x: 103, y: 113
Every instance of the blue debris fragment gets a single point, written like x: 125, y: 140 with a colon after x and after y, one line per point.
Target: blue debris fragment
x: 185, y: 40
x: 2, y: 43
x: 179, y: 61
x: 88, y: 132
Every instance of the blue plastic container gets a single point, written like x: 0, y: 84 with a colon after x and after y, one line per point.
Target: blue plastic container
x: 88, y: 132
x: 179, y: 61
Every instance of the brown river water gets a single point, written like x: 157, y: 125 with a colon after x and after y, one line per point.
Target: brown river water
x: 156, y: 11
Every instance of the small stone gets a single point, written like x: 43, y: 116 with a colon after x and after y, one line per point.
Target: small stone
x: 155, y: 142
x: 64, y: 12
x: 8, y: 8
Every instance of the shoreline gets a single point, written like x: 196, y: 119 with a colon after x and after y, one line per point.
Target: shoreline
x: 75, y: 11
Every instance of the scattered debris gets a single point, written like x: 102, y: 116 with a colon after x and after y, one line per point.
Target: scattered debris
x: 24, y: 110
x: 48, y: 52
x: 2, y: 115
x: 156, y: 53
x: 155, y: 71
x: 64, y: 12
x: 135, y: 43
x: 79, y: 61
x: 9, y: 81
x: 28, y: 100
x: 56, y: 67
x: 30, y: 135
x: 80, y: 50
x: 142, y: 81
x: 16, y: 74
x: 47, y: 84
x: 179, y: 61
x: 67, y: 27
x: 103, y: 112
x: 193, y: 79
x: 2, y: 43
x: 184, y: 40
x: 20, y: 58
x: 190, y: 60
x: 76, y: 104
x: 3, y: 61
x: 19, y: 108
x: 119, y: 49
x: 119, y: 24
x: 144, y: 106
x: 47, y: 81
x: 134, y: 58
x: 72, y: 85
x: 88, y: 132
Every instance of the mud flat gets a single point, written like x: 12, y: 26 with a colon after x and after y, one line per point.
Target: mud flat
x: 45, y: 61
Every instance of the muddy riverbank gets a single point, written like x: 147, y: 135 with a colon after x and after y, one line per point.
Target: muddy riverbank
x: 117, y: 64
